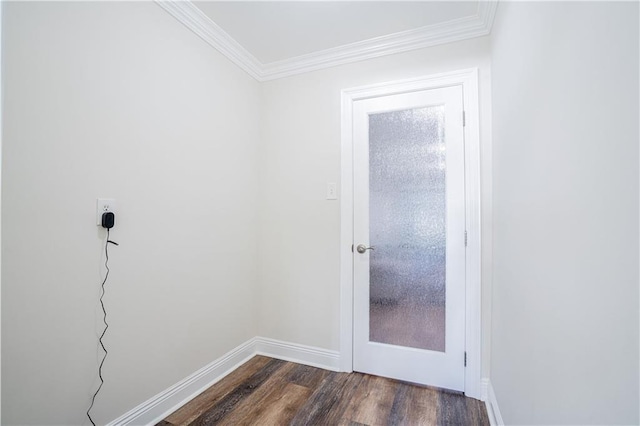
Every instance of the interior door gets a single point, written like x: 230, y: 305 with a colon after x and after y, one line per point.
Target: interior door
x: 409, y: 237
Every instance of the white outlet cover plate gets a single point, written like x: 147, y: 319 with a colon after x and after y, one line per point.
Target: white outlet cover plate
x: 104, y: 205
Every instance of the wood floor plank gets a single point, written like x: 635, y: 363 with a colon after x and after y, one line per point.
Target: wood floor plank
x: 329, y: 401
x: 400, y: 407
x: 372, y: 401
x: 277, y: 408
x: 307, y: 376
x: 476, y: 412
x: 452, y: 409
x: 414, y: 405
x: 213, y: 394
x: 255, y: 403
x: 266, y: 392
x: 228, y: 404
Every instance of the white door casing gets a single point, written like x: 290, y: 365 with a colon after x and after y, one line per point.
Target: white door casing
x: 417, y: 359
x: 468, y: 80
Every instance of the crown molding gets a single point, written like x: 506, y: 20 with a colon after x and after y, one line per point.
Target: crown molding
x: 195, y: 20
x: 446, y: 32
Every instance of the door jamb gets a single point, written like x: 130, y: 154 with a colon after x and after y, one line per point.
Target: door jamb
x: 468, y: 79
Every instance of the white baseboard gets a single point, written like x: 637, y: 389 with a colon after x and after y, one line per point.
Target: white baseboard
x: 495, y: 417
x: 484, y: 389
x: 301, y: 354
x: 166, y: 402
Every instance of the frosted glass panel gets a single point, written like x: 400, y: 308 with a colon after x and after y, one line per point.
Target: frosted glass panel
x: 407, y: 214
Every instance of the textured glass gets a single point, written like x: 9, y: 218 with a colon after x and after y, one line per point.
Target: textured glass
x: 407, y: 213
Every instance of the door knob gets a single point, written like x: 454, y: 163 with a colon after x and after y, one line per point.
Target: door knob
x: 362, y: 248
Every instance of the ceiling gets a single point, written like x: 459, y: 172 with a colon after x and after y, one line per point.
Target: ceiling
x: 275, y: 39
x: 276, y: 31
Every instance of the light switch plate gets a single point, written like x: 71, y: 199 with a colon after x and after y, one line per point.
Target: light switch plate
x: 104, y: 205
x: 332, y: 191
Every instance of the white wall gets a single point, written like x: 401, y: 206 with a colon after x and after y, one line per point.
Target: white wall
x: 300, y: 229
x: 565, y: 143
x: 119, y: 100
x: 221, y: 187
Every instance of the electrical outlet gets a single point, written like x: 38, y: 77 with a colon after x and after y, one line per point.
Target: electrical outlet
x: 104, y: 205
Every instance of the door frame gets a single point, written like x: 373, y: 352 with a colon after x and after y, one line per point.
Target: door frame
x: 468, y: 79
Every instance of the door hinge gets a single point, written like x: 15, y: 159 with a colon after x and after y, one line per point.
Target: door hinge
x: 465, y: 240
x: 464, y: 119
x: 465, y: 359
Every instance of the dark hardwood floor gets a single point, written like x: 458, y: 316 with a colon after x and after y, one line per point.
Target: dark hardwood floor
x: 267, y: 391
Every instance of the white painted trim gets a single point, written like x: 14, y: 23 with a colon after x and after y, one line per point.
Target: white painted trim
x: 484, y: 389
x: 166, y: 402
x: 346, y: 235
x: 1, y: 133
x: 493, y: 411
x: 301, y: 354
x: 432, y: 35
x: 473, y: 324
x: 195, y: 20
x: 473, y: 340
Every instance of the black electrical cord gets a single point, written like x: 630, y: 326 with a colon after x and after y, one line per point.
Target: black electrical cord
x: 106, y: 325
